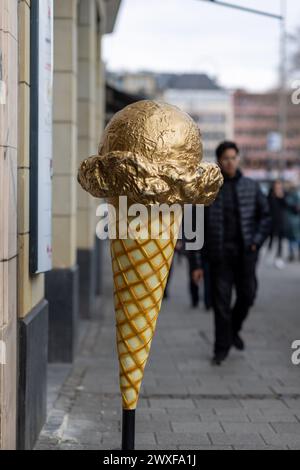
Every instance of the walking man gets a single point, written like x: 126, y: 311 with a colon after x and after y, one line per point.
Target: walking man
x: 236, y: 226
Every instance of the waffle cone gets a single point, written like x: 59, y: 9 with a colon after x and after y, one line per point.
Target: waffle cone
x: 140, y: 271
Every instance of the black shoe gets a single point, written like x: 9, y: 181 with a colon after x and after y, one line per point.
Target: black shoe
x: 195, y: 304
x: 219, y: 357
x: 238, y: 343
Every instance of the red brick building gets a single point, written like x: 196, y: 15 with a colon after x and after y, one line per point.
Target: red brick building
x: 256, y: 129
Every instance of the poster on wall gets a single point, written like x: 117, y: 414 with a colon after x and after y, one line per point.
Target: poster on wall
x: 41, y: 101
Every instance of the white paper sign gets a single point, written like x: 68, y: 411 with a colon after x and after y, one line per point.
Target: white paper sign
x: 45, y: 167
x: 2, y: 92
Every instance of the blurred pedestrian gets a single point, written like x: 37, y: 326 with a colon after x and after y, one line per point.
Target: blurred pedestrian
x: 178, y: 254
x: 276, y: 200
x: 293, y: 222
x: 236, y: 225
x: 194, y: 284
x: 180, y: 251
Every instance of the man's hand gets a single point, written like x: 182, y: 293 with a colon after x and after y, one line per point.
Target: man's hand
x: 197, y: 275
x: 253, y: 248
x: 179, y: 246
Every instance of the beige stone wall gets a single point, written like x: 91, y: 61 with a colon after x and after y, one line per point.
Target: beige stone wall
x: 65, y: 133
x: 100, y: 72
x: 8, y: 218
x: 30, y: 287
x: 88, y: 117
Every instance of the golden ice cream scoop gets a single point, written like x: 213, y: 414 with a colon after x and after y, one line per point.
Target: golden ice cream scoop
x: 151, y: 152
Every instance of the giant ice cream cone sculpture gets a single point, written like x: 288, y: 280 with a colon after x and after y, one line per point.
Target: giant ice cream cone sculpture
x: 151, y: 152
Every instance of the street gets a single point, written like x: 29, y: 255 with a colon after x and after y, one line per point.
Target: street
x: 250, y: 402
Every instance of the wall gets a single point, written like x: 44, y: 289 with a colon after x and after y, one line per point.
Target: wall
x: 62, y: 282
x: 8, y: 218
x: 30, y: 287
x: 91, y: 23
x: 65, y: 134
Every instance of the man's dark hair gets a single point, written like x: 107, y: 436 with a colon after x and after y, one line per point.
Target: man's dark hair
x: 226, y: 145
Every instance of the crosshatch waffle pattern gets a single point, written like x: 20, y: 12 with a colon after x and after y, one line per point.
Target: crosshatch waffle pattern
x: 140, y: 270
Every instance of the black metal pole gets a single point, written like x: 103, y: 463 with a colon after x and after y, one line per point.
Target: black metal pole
x: 128, y: 429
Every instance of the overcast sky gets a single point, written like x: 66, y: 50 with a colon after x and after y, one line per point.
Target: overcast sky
x: 240, y: 49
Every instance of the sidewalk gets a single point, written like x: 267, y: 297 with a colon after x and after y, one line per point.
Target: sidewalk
x: 251, y: 402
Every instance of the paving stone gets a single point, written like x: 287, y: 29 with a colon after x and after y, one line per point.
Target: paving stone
x: 82, y: 436
x: 171, y: 403
x: 217, y: 404
x: 226, y: 418
x: 259, y: 447
x: 259, y: 417
x: 293, y: 428
x: 211, y: 447
x: 293, y: 403
x: 264, y: 404
x: 236, y: 439
x: 246, y: 428
x: 153, y: 426
x: 202, y: 427
x: 183, y: 414
x: 282, y: 439
x: 167, y: 438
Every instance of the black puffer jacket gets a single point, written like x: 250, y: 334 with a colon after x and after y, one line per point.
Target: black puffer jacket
x: 254, y: 220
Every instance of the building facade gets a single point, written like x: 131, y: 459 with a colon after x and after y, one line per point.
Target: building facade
x: 211, y: 110
x: 257, y: 130
x: 40, y: 309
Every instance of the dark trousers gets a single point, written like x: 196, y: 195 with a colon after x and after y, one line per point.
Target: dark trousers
x: 166, y: 292
x: 194, y: 288
x: 237, y: 269
x: 279, y: 243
